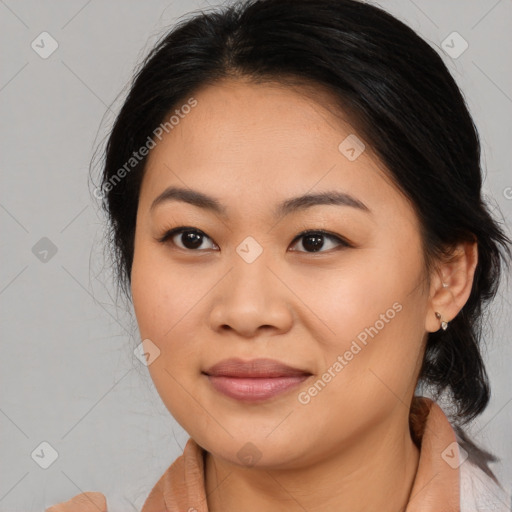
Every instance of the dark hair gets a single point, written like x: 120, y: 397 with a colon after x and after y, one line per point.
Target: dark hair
x: 399, y: 96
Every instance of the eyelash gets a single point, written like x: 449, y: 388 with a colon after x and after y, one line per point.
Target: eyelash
x: 165, y: 239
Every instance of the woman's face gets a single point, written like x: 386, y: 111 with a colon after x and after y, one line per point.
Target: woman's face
x: 350, y: 317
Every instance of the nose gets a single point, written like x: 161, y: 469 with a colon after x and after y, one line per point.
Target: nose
x: 251, y: 299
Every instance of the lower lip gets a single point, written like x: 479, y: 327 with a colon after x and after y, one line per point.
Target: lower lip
x: 255, y: 389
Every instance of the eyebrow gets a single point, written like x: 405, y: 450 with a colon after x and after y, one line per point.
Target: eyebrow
x: 288, y: 206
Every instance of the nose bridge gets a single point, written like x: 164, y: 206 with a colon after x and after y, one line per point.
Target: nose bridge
x: 250, y: 296
x: 250, y: 272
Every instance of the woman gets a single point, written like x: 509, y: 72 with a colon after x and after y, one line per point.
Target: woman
x: 294, y: 192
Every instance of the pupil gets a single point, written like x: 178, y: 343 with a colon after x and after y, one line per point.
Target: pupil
x: 315, y: 242
x: 191, y: 240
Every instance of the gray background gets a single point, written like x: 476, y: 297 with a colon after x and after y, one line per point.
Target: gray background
x: 68, y: 374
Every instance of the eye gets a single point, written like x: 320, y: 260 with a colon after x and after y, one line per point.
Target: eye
x: 187, y: 238
x: 313, y: 241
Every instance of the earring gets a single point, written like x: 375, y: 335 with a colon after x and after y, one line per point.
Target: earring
x: 445, y: 285
x: 444, y: 324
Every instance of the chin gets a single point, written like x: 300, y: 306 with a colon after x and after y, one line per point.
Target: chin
x: 248, y: 449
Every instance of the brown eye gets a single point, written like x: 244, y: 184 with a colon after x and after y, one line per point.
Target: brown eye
x: 314, y: 241
x: 186, y: 238
x: 193, y: 239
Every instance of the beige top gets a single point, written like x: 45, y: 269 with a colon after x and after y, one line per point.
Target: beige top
x: 436, y: 487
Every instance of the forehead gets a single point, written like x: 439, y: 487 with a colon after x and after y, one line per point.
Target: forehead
x: 265, y: 120
x: 245, y: 141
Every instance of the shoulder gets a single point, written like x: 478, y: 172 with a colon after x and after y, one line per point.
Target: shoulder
x: 479, y: 492
x: 84, y: 502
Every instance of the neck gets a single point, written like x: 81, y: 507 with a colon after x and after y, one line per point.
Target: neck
x: 375, y: 473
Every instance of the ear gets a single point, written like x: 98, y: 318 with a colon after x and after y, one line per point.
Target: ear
x: 451, y: 284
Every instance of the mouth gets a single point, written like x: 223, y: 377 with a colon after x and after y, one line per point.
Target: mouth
x: 255, y: 380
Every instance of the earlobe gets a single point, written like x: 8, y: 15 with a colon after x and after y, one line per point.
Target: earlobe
x: 451, y: 286
x: 444, y: 323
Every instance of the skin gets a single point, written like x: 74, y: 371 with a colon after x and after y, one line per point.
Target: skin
x: 252, y: 146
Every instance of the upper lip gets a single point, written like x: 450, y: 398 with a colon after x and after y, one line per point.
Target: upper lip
x: 253, y: 368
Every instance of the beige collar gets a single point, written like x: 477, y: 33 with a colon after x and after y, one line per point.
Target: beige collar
x: 435, y: 487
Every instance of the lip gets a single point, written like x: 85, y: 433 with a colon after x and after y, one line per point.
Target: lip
x: 255, y: 380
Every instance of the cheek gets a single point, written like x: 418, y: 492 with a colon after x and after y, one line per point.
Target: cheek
x: 347, y: 299
x: 169, y: 304
x: 163, y: 301
x: 373, y: 311
x: 368, y: 369
x: 162, y: 295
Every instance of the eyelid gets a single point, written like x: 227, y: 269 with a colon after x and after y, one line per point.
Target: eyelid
x: 343, y: 242
x: 175, y: 231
